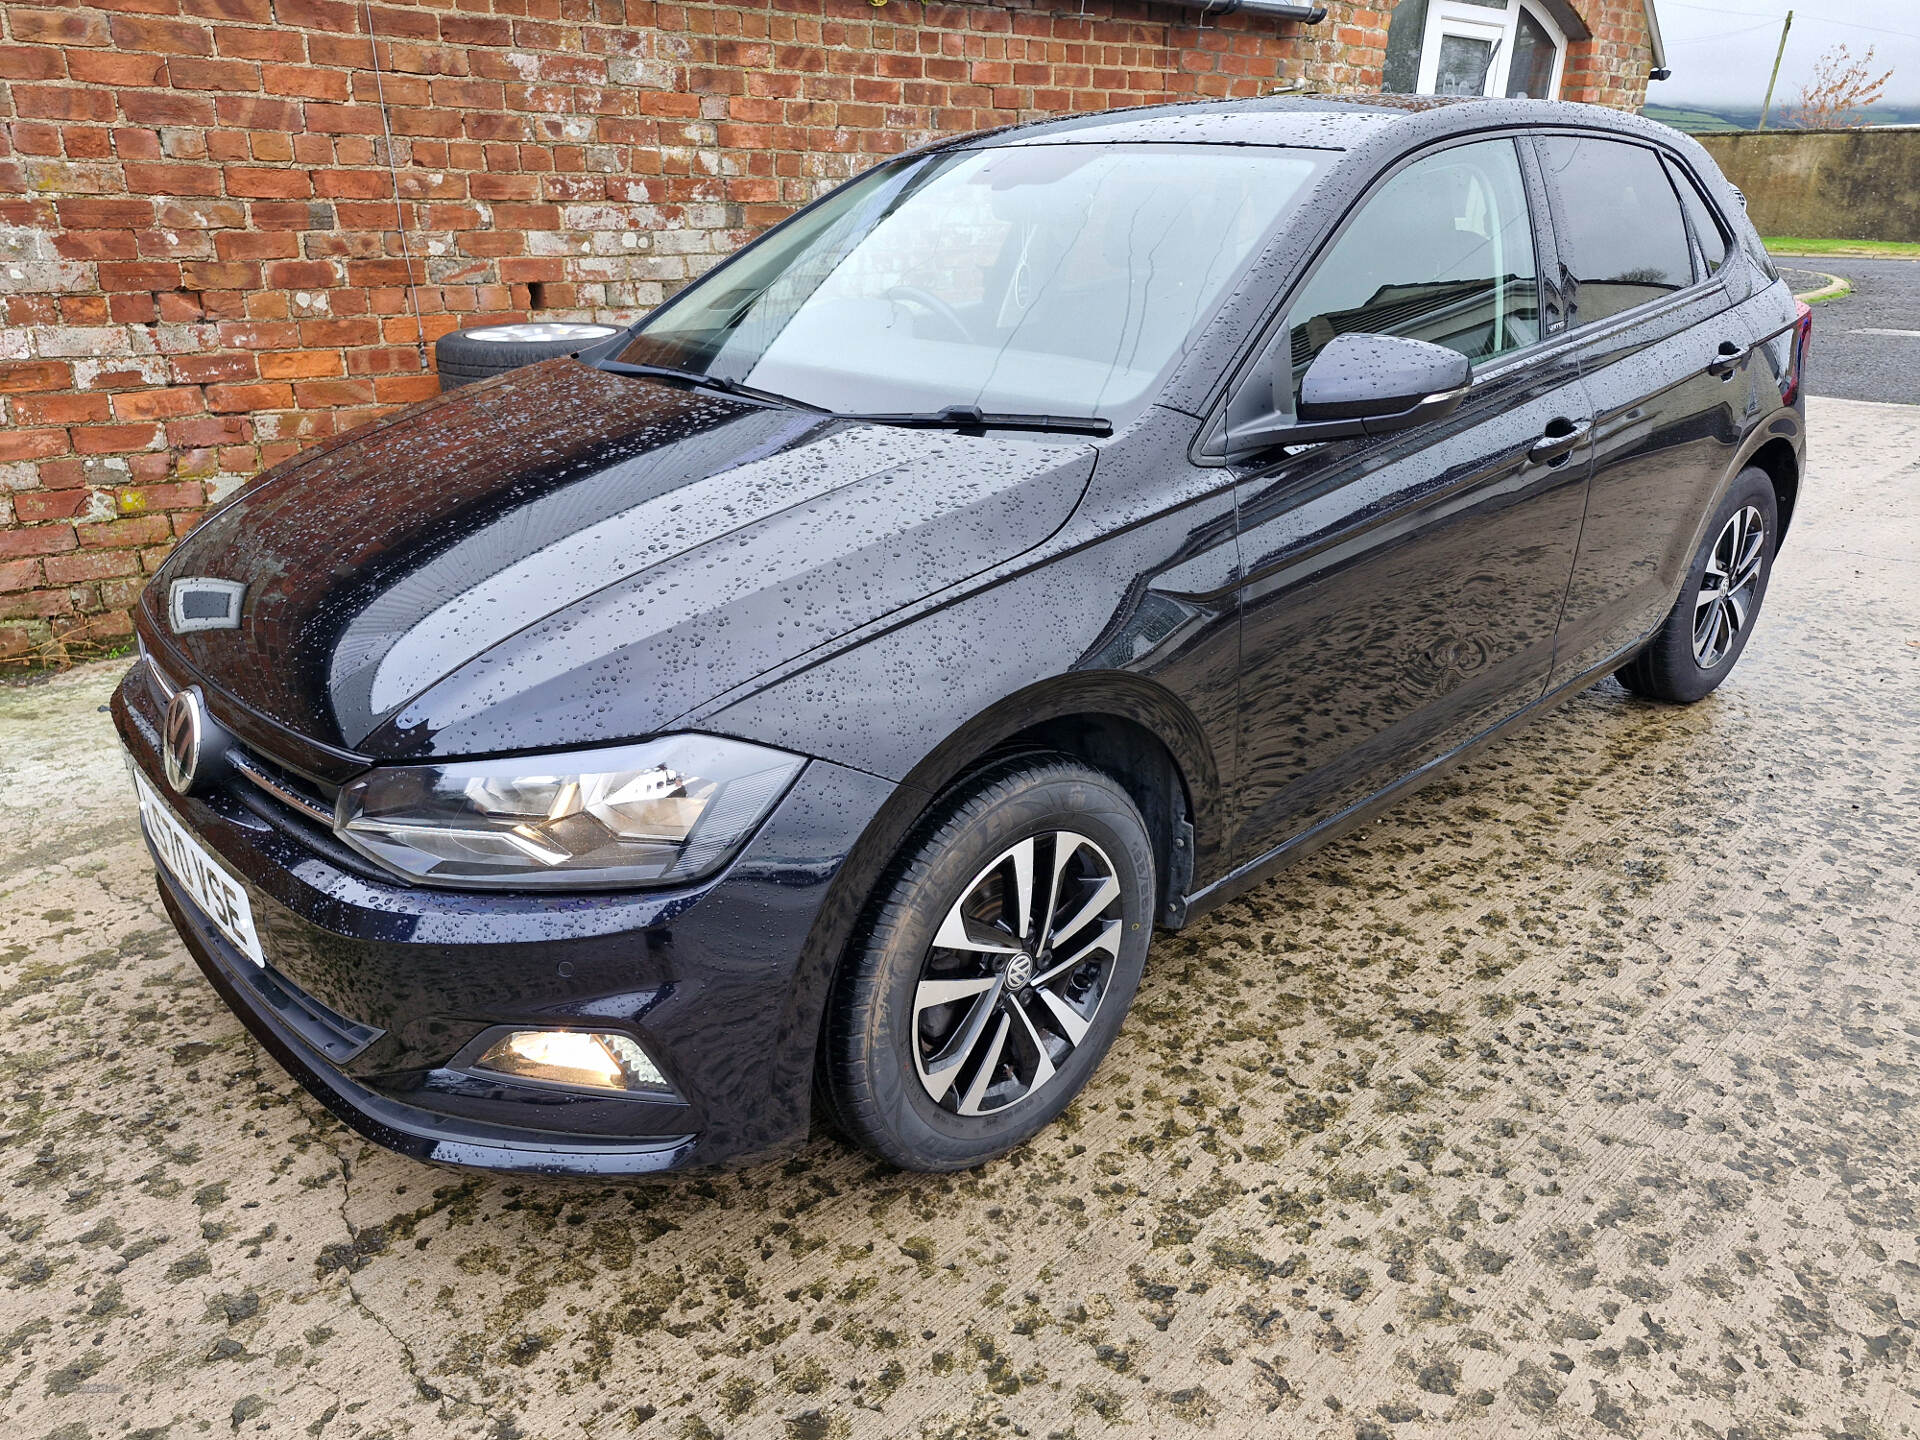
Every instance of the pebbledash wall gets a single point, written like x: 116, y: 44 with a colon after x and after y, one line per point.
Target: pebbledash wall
x: 230, y: 228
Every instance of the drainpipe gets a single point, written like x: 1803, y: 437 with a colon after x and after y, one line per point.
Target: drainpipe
x: 1277, y: 9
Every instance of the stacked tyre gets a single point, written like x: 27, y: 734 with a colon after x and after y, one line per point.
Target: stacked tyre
x: 468, y: 355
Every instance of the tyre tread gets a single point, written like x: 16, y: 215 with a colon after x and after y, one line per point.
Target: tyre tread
x: 461, y: 358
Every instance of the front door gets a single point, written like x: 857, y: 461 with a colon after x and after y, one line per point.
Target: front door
x: 1402, y: 593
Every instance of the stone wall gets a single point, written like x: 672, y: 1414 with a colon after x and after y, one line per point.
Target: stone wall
x: 1826, y: 184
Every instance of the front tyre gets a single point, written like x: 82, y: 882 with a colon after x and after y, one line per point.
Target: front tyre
x: 998, y: 965
x: 1696, y: 646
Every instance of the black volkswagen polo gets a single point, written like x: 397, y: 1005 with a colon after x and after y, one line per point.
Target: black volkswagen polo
x: 821, y: 695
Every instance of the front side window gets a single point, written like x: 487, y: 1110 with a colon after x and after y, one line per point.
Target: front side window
x: 1621, y: 231
x: 1059, y: 279
x: 1443, y: 252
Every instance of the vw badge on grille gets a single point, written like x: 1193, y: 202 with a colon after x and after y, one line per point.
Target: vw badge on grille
x: 180, y: 747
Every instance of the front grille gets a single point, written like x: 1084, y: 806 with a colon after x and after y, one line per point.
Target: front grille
x: 299, y: 795
x: 305, y: 797
x: 286, y: 799
x: 297, y: 806
x: 163, y: 688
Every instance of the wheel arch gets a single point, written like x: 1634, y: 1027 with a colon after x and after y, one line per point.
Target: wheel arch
x: 1119, y: 723
x: 1116, y: 722
x: 1782, y: 464
x: 1132, y: 755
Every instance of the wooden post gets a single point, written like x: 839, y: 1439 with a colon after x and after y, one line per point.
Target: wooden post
x: 1767, y: 104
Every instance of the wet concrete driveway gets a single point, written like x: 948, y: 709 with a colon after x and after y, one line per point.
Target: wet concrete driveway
x: 1579, y: 1097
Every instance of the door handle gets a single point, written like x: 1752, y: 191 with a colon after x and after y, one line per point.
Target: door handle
x: 1560, y: 437
x: 1728, y: 359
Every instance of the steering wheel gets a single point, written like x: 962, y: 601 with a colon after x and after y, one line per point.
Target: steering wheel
x: 933, y: 305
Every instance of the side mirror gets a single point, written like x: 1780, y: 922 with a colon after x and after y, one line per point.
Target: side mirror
x: 1357, y: 385
x: 1386, y: 381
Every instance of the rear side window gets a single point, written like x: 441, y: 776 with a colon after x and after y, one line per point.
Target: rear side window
x: 1706, y: 229
x: 1443, y: 252
x: 1623, y: 237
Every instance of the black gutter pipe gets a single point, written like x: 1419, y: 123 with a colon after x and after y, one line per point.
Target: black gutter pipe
x: 1277, y: 9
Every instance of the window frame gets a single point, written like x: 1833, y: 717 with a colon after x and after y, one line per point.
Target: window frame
x: 1569, y: 284
x: 1538, y: 14
x: 1209, y: 439
x: 1483, y: 22
x: 1735, y: 225
x: 1450, y: 17
x: 1678, y: 176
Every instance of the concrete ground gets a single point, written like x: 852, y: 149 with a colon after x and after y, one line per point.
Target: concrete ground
x: 1866, y: 346
x: 1576, y: 1097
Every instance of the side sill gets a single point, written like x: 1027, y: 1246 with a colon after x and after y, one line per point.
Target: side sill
x: 1238, y: 881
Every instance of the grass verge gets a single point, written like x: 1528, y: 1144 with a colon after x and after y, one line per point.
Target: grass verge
x: 1865, y: 249
x: 1837, y: 287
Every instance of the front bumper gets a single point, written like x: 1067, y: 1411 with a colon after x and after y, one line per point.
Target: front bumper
x: 372, y: 988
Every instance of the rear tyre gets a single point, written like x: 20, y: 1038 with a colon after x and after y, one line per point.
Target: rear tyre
x: 995, y: 969
x: 1704, y: 634
x: 468, y: 355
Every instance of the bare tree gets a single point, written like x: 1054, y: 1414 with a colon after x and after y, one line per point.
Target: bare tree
x: 1839, y: 92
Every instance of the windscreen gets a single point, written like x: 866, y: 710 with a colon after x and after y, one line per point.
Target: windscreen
x: 1053, y: 279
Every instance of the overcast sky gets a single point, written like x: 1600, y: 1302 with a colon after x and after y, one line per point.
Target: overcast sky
x: 1720, y: 50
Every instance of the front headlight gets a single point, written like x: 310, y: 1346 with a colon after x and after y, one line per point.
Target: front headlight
x: 666, y: 812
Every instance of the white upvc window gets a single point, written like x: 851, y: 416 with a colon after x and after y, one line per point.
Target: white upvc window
x: 1491, y: 47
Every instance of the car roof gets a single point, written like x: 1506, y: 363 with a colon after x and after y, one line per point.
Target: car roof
x: 1310, y: 122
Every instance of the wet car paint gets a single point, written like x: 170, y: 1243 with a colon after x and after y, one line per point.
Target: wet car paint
x: 690, y: 972
x: 581, y: 535
x: 524, y: 567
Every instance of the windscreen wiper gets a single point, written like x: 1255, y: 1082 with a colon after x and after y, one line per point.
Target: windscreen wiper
x: 953, y: 417
x: 708, y: 382
x: 972, y: 417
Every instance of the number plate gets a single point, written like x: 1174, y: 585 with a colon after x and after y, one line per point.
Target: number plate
x: 220, y: 897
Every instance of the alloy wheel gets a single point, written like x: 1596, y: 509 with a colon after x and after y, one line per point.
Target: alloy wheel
x: 1016, y: 973
x: 1727, y: 590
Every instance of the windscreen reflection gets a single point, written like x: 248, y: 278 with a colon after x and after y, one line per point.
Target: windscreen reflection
x: 1059, y: 279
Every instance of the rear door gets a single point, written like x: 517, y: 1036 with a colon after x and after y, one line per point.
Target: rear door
x: 1666, y: 372
x: 1402, y: 592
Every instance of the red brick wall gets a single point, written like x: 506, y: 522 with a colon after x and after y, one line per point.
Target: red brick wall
x: 1611, y: 68
x: 207, y: 239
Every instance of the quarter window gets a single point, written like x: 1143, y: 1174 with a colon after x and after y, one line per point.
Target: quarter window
x: 1442, y: 253
x: 1706, y: 229
x: 1620, y: 228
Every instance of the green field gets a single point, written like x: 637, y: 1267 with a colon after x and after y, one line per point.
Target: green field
x: 1700, y: 120
x: 1694, y: 122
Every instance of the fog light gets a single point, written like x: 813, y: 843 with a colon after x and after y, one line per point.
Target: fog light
x: 580, y: 1058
